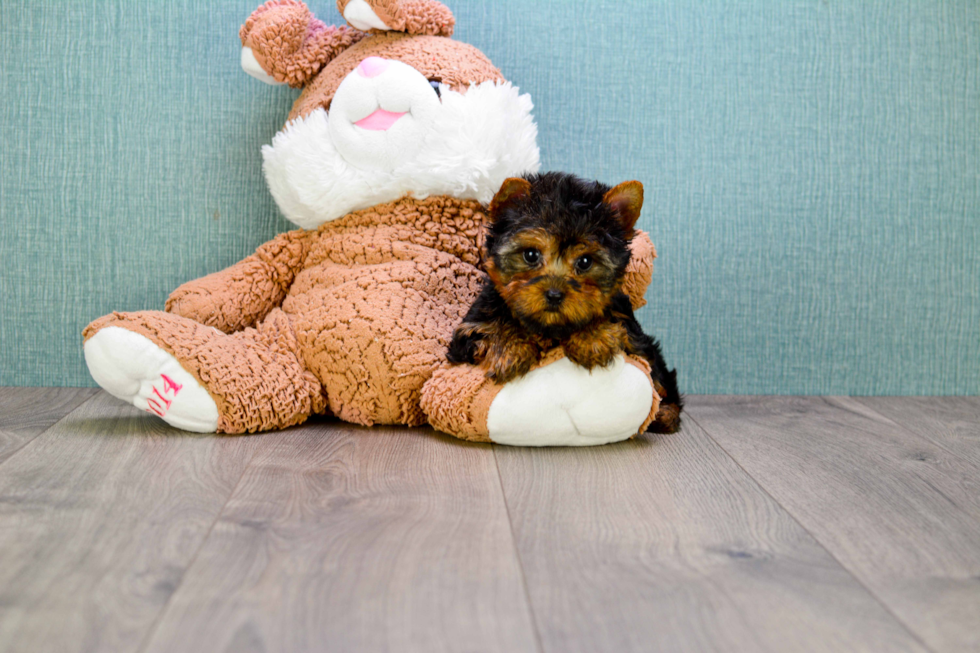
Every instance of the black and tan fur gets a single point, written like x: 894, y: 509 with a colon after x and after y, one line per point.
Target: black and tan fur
x: 555, y: 257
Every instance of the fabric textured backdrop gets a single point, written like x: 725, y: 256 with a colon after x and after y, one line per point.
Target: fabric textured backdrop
x: 812, y: 171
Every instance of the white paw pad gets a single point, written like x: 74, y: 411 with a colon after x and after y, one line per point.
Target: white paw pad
x: 129, y: 366
x: 563, y: 404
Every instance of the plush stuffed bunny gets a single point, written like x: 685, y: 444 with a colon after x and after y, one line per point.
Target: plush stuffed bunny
x: 398, y: 140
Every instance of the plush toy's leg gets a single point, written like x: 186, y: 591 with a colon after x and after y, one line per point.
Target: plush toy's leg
x: 557, y: 403
x: 200, y: 379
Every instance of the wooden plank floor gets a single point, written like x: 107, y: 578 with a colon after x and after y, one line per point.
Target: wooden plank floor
x: 899, y: 512
x: 766, y: 524
x: 25, y: 413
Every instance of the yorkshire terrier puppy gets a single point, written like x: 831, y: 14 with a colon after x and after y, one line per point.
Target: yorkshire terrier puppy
x: 555, y: 257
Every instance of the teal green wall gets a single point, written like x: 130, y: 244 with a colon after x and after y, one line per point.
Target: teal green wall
x: 812, y: 171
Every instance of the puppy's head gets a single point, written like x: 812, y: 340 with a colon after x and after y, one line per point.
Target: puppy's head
x: 558, y: 247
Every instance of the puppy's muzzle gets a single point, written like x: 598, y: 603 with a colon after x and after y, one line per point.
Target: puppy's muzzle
x: 554, y: 297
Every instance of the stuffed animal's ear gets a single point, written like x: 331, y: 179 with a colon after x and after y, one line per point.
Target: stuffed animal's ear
x: 512, y: 190
x: 626, y: 199
x: 410, y: 16
x: 282, y: 42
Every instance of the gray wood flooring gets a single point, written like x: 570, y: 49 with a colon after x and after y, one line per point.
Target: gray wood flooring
x: 767, y: 524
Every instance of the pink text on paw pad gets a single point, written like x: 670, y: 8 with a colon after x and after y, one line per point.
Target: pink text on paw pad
x: 170, y: 387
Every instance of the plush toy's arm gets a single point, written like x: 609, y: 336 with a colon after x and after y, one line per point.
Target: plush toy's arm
x: 289, y: 44
x: 241, y: 295
x: 639, y: 272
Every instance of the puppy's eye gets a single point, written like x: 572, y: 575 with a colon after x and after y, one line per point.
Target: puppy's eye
x: 532, y: 256
x: 434, y: 83
x: 583, y: 263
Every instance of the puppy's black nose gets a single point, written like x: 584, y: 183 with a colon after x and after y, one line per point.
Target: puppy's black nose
x: 554, y: 296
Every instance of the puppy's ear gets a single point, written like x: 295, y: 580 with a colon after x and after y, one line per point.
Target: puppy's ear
x: 512, y: 190
x: 626, y: 200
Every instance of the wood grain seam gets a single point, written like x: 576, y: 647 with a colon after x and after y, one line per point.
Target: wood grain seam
x: 887, y: 608
x: 517, y: 554
x: 152, y: 630
x: 24, y: 444
x: 918, y: 436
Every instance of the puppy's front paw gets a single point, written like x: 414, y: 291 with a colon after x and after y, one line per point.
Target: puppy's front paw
x: 508, y: 359
x: 596, y: 346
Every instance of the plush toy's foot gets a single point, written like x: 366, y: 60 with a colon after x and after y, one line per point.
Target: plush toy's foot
x: 556, y: 404
x: 132, y: 368
x: 200, y: 379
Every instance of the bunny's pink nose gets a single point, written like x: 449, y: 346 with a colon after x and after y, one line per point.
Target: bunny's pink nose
x: 373, y: 66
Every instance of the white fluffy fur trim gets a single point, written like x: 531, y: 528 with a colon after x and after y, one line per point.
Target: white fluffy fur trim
x: 483, y: 136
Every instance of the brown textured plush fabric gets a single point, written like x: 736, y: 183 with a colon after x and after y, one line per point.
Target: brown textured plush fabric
x: 242, y: 295
x: 371, y: 300
x: 290, y: 44
x: 457, y: 399
x: 256, y: 376
x: 453, y: 63
x: 377, y: 302
x: 418, y: 17
x: 639, y: 271
x: 644, y: 367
